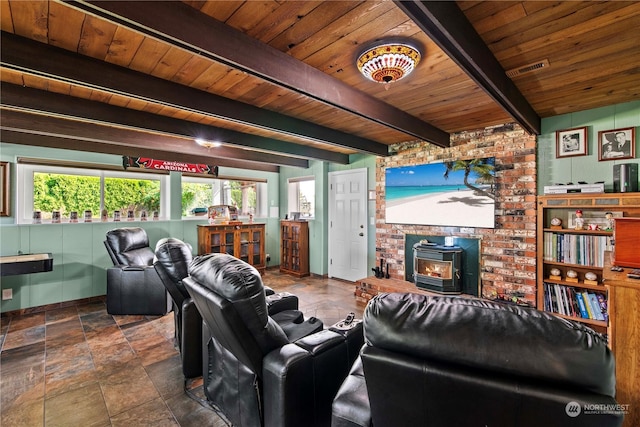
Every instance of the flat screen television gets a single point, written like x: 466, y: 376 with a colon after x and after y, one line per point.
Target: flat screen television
x: 459, y: 193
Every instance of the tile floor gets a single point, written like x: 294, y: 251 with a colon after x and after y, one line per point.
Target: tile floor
x: 80, y: 366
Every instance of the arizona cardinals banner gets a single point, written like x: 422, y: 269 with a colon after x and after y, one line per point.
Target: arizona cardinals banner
x: 147, y: 163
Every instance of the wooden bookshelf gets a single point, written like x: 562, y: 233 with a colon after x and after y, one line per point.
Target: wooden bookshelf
x: 294, y: 248
x: 564, y: 248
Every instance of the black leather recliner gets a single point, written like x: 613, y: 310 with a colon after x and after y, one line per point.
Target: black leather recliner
x: 254, y: 373
x: 446, y: 361
x: 133, y: 285
x: 172, y: 259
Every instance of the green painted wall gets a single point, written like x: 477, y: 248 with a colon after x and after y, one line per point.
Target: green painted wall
x: 318, y: 225
x: 584, y: 168
x: 80, y: 258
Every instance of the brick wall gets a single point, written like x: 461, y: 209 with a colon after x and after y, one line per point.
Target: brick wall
x: 508, y: 252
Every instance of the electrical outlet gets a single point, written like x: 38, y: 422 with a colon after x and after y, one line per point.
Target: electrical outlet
x: 7, y: 294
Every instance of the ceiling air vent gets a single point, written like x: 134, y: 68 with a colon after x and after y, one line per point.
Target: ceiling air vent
x: 515, y: 72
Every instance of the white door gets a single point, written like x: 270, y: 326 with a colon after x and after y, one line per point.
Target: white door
x: 348, y: 224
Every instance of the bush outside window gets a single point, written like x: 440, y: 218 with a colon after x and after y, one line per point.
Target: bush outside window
x: 67, y: 190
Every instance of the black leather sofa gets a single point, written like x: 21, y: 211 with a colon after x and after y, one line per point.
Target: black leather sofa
x: 255, y: 373
x: 133, y: 285
x: 446, y: 361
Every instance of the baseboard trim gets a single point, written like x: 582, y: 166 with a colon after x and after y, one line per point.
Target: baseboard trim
x: 47, y: 307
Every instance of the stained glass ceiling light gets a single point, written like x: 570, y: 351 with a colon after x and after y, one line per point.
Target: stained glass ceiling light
x: 388, y: 62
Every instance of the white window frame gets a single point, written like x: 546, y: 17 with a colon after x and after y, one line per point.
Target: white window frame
x: 24, y: 186
x: 293, y: 195
x: 261, y: 194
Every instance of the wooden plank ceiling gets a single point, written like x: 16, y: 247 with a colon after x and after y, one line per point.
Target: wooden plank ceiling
x: 276, y: 81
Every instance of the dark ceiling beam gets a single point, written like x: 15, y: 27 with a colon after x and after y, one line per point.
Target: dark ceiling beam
x: 136, y: 143
x: 25, y: 55
x: 21, y: 137
x: 188, y: 28
x: 70, y: 107
x: 449, y: 28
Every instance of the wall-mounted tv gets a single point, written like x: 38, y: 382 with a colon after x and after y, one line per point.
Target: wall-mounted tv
x: 458, y: 193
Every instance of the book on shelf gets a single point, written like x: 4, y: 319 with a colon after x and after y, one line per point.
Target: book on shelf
x: 595, y: 306
x: 576, y: 249
x: 583, y: 309
x: 587, y: 304
x: 603, y: 306
x: 572, y: 302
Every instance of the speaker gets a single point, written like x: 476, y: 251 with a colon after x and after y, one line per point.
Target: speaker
x: 625, y: 178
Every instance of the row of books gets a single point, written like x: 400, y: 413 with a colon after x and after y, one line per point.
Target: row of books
x: 576, y: 302
x: 575, y: 248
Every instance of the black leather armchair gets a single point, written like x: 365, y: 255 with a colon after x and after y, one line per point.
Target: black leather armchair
x: 254, y: 373
x: 133, y: 285
x: 443, y: 361
x: 172, y: 259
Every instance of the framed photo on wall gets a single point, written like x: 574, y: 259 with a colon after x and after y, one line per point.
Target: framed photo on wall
x: 4, y: 189
x: 617, y: 144
x: 571, y: 142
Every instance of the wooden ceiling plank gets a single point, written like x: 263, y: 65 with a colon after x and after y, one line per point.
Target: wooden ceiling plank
x: 363, y: 14
x: 171, y: 63
x: 589, y: 45
x: 96, y: 37
x: 509, y: 14
x: 6, y: 18
x: 69, y: 143
x: 193, y: 69
x: 56, y: 63
x: 148, y: 55
x: 445, y: 23
x: 312, y: 23
x: 593, y: 18
x: 176, y: 21
x: 250, y: 14
x: 12, y: 76
x: 26, y: 98
x: 124, y: 47
x: 285, y: 16
x: 210, y: 76
x: 30, y: 19
x: 220, y: 10
x: 56, y: 126
x: 65, y: 26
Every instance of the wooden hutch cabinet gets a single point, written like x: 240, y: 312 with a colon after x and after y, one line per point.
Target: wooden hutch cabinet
x: 244, y: 241
x: 294, y: 248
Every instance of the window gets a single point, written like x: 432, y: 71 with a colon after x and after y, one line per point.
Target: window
x: 66, y: 190
x: 200, y: 193
x: 302, y: 196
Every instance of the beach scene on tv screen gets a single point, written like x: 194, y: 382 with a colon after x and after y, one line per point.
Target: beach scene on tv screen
x: 458, y: 193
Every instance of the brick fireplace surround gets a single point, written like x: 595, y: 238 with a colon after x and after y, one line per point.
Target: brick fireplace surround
x: 508, y: 252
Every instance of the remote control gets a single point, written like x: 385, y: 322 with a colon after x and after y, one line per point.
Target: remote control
x: 634, y: 274
x: 349, y: 319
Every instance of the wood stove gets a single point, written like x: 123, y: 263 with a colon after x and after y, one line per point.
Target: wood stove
x: 437, y: 268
